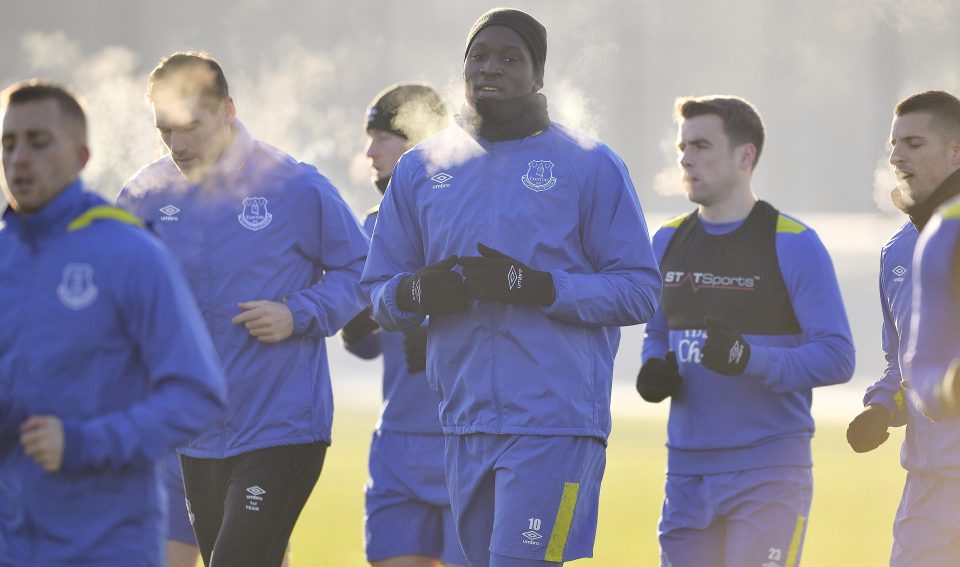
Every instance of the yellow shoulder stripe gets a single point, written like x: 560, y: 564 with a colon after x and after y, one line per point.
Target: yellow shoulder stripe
x: 103, y: 212
x: 787, y: 224
x: 898, y: 399
x: 676, y: 221
x: 951, y: 212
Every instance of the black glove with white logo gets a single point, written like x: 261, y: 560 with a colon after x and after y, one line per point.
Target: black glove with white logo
x: 724, y: 351
x: 434, y: 290
x: 359, y: 328
x: 868, y: 430
x: 659, y: 378
x: 494, y: 276
x: 415, y: 347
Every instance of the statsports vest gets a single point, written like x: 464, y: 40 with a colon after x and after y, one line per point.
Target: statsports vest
x: 735, y: 276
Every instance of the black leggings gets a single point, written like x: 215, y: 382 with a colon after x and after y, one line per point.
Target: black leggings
x: 243, y: 508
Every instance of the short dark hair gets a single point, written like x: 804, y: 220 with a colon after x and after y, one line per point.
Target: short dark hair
x: 741, y: 121
x: 943, y: 106
x: 34, y: 90
x: 196, y: 72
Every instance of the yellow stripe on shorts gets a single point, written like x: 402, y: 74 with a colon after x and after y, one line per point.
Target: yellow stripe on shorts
x: 561, y: 526
x: 795, y: 542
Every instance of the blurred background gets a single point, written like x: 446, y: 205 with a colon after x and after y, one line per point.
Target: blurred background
x: 825, y: 75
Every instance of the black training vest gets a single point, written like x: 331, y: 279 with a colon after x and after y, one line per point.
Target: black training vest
x: 734, y: 276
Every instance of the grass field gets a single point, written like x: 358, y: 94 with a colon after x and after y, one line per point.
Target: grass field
x: 855, y: 498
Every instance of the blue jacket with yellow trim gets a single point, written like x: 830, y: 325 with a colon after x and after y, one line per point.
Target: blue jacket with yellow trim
x: 409, y: 406
x: 762, y: 418
x: 935, y: 324
x: 557, y: 202
x: 261, y: 226
x: 98, y: 328
x: 928, y: 447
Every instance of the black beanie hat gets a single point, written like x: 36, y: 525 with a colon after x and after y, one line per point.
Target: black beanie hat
x: 410, y: 110
x: 530, y: 31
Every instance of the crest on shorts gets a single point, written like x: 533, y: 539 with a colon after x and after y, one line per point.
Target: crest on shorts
x: 77, y: 290
x: 539, y: 175
x: 255, y: 215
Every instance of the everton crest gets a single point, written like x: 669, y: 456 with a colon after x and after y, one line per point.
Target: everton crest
x: 77, y: 290
x: 255, y: 215
x: 539, y: 175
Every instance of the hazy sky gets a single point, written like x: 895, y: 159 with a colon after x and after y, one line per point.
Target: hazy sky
x: 824, y: 74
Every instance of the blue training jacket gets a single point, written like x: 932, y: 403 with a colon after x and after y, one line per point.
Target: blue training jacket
x: 928, y: 447
x: 935, y: 324
x: 555, y: 201
x: 98, y: 328
x: 721, y: 424
x: 261, y: 226
x: 409, y: 405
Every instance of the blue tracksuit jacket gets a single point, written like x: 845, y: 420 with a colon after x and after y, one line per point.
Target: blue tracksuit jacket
x: 98, y: 328
x: 935, y: 324
x: 409, y: 406
x: 929, y: 447
x: 555, y: 201
x: 261, y: 226
x: 721, y: 424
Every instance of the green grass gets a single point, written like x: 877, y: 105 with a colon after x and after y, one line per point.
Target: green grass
x: 855, y: 498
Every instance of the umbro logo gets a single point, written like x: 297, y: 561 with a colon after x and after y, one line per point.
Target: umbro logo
x: 254, y: 498
x: 514, y: 277
x: 169, y: 213
x: 899, y: 271
x: 256, y: 491
x: 415, y: 290
x: 531, y: 535
x: 736, y: 352
x: 441, y: 180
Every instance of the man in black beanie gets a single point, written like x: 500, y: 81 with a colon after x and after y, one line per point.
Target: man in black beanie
x: 407, y: 519
x: 521, y: 338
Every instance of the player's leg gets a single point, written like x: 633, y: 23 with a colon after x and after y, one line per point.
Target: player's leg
x: 265, y: 495
x: 204, y: 482
x: 547, y: 498
x: 690, y: 533
x: 766, y: 512
x: 452, y: 553
x: 926, y: 531
x: 182, y: 549
x: 470, y: 481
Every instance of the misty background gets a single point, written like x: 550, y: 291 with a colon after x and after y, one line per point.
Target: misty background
x: 824, y: 74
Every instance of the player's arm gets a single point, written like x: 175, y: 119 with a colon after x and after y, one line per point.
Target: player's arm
x: 826, y: 354
x: 625, y: 288
x: 887, y: 391
x: 333, y: 239
x: 187, y: 389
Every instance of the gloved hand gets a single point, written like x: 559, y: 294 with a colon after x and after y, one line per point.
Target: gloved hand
x: 724, y: 351
x: 415, y: 347
x: 868, y: 430
x: 359, y: 328
x: 434, y: 290
x: 494, y: 276
x: 659, y: 378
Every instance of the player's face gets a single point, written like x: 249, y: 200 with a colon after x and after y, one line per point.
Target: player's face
x: 195, y: 131
x: 43, y: 152
x: 383, y: 150
x: 710, y: 164
x: 498, y: 66
x: 921, y: 156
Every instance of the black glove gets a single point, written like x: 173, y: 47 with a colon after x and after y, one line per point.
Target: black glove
x: 724, y: 351
x: 359, y: 328
x: 415, y: 347
x: 659, y: 378
x: 868, y: 430
x: 494, y: 276
x: 434, y: 290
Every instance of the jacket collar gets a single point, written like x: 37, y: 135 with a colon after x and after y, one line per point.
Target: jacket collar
x: 234, y: 157
x: 55, y: 215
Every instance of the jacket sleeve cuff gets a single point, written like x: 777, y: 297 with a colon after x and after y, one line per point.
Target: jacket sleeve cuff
x: 759, y: 366
x: 388, y: 313
x: 564, y: 299
x: 301, y: 314
x: 72, y: 447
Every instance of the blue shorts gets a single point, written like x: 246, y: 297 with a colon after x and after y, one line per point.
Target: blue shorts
x: 756, y: 517
x: 407, y: 503
x: 525, y: 496
x: 926, y: 531
x: 178, y: 518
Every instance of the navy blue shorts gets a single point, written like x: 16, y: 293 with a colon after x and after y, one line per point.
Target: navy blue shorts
x: 926, y: 531
x: 525, y: 496
x: 407, y: 503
